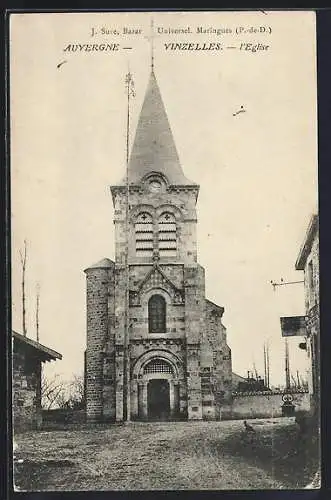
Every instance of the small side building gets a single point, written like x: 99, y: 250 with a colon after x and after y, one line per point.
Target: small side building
x: 28, y: 356
x: 308, y: 262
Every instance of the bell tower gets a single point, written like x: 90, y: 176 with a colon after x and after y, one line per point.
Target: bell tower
x: 156, y: 347
x: 162, y: 201
x: 160, y: 239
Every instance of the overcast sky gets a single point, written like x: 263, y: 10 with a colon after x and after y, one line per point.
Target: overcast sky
x: 257, y: 170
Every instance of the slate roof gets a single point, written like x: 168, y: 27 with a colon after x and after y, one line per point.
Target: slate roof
x: 154, y: 149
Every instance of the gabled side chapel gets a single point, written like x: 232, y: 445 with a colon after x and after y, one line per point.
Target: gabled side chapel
x: 179, y: 361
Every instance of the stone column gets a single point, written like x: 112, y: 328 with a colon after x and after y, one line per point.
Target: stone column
x: 171, y: 397
x: 145, y: 401
x: 119, y: 382
x: 134, y: 399
x: 140, y: 399
x: 176, y: 398
x: 194, y: 325
x: 194, y: 404
x: 182, y: 399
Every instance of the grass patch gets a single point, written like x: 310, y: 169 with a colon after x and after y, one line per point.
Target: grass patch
x: 169, y: 456
x: 282, y: 451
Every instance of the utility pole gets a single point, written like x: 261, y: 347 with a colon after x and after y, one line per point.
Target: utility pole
x: 287, y: 365
x: 265, y: 366
x: 126, y: 358
x: 298, y: 379
x: 255, y: 370
x: 268, y: 367
x: 287, y: 361
x: 23, y: 262
x: 37, y: 310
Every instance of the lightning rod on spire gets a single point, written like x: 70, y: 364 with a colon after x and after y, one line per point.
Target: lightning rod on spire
x: 152, y: 44
x: 150, y: 38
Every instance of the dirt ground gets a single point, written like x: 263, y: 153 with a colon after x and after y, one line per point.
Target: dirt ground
x: 165, y: 456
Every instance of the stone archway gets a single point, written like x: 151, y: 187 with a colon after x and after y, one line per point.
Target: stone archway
x: 156, y: 391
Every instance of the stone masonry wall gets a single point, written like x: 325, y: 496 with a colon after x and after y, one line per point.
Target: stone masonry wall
x: 222, y: 363
x: 175, y: 313
x: 109, y: 372
x: 261, y: 405
x: 172, y: 340
x: 313, y: 320
x: 26, y: 392
x: 120, y: 322
x: 194, y: 325
x: 312, y: 288
x: 99, y: 281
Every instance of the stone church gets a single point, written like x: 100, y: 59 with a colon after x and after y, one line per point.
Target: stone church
x: 156, y: 346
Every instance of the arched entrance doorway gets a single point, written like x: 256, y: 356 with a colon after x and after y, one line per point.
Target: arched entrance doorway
x: 158, y: 399
x: 158, y: 390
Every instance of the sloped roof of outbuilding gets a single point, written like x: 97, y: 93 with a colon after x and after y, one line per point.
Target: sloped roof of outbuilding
x: 43, y: 352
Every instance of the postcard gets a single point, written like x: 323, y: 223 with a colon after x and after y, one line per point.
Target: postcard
x: 165, y: 251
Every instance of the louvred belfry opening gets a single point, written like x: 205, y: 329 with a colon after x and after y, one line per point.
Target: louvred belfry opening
x: 167, y: 233
x: 144, y: 235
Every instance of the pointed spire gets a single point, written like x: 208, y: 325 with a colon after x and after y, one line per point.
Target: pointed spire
x: 154, y: 148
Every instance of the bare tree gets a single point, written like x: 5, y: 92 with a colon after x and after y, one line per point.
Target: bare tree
x: 23, y: 256
x: 78, y: 385
x: 56, y: 393
x: 76, y: 397
x: 53, y: 392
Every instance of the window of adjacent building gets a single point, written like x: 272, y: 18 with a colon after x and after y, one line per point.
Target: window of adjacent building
x: 144, y: 235
x: 167, y: 235
x: 157, y: 314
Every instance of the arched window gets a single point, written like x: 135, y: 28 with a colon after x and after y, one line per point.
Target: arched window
x: 144, y: 235
x: 167, y: 233
x: 157, y: 314
x: 158, y: 366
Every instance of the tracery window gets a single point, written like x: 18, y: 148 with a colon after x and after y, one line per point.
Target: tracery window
x: 167, y: 235
x: 157, y: 314
x: 144, y: 235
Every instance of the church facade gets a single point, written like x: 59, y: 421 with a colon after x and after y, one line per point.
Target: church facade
x: 156, y: 346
